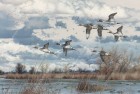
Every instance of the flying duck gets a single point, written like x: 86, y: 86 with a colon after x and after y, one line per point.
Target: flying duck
x: 66, y: 46
x: 100, y: 28
x: 116, y: 35
x: 111, y: 16
x: 119, y: 30
x: 45, y: 49
x: 102, y: 54
x: 89, y: 27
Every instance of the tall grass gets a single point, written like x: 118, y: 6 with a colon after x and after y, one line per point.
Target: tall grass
x: 52, y: 76
x: 85, y: 86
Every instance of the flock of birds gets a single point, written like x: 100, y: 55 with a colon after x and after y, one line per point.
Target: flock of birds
x: 100, y: 27
x: 67, y: 45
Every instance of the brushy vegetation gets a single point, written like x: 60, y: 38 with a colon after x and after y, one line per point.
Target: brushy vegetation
x: 113, y: 76
x: 118, y: 66
x: 33, y: 90
x: 37, y: 86
x: 84, y: 86
x: 52, y: 76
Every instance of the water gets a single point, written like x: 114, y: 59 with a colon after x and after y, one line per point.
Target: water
x: 68, y: 86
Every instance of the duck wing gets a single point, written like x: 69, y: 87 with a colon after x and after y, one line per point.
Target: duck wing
x: 46, y: 46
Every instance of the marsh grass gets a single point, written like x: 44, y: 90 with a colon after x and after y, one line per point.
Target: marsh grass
x: 37, y: 85
x: 52, y: 76
x: 33, y: 90
x: 84, y: 86
x: 98, y: 76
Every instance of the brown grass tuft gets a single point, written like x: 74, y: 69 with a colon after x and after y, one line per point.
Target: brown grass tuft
x: 84, y: 86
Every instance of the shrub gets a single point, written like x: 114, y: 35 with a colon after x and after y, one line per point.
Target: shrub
x: 84, y: 86
x: 20, y: 68
x: 32, y: 70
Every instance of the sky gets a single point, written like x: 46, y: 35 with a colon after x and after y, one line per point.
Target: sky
x: 27, y: 23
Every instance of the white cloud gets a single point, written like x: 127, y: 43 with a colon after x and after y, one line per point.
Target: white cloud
x: 15, y: 2
x: 38, y: 15
x: 25, y: 9
x: 123, y: 3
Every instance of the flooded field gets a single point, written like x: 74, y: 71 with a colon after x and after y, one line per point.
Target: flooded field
x: 68, y: 86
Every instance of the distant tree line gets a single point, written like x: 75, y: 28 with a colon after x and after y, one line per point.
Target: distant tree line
x: 1, y: 72
x: 20, y: 69
x: 44, y: 68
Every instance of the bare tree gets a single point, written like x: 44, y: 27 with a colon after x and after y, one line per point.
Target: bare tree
x: 119, y: 61
x: 1, y: 72
x: 32, y: 70
x: 20, y: 68
x: 44, y: 68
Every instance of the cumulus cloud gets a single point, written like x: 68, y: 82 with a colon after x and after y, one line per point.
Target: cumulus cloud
x: 28, y: 8
x: 15, y: 2
x: 127, y: 3
x: 14, y: 15
x: 35, y: 22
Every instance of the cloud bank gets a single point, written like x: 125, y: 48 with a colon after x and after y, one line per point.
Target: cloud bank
x: 26, y: 23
